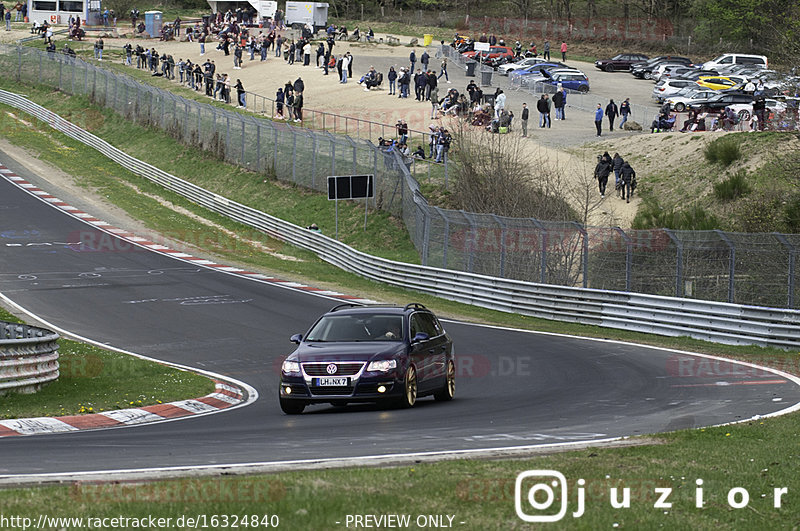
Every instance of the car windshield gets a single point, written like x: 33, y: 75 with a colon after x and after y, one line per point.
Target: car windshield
x: 357, y: 327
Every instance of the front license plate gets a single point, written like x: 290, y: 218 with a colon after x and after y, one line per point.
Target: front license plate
x: 332, y: 382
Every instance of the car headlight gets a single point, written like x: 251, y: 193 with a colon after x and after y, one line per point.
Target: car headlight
x: 290, y: 367
x: 381, y: 365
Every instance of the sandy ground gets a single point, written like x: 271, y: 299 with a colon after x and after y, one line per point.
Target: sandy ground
x: 324, y: 93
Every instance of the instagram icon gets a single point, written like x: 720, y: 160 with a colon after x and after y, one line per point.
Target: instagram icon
x: 538, y: 492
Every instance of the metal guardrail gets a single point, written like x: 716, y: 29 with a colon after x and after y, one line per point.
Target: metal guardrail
x: 711, y: 321
x: 28, y: 357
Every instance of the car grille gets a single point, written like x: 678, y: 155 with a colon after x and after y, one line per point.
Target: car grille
x: 332, y: 391
x: 342, y: 369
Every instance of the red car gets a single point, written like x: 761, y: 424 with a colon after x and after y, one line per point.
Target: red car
x: 496, y: 55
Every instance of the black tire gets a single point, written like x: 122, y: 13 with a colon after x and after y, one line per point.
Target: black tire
x: 680, y: 107
x: 409, y: 397
x: 744, y: 115
x: 609, y: 68
x: 583, y: 89
x: 292, y: 407
x: 648, y: 75
x: 449, y: 390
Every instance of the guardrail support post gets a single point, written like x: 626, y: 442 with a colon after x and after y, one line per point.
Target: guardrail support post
x: 792, y: 259
x: 585, y: 252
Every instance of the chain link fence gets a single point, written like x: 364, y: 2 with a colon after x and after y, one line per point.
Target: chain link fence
x: 756, y: 269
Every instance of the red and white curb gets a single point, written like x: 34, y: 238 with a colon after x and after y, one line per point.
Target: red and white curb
x: 224, y: 396
x: 147, y: 244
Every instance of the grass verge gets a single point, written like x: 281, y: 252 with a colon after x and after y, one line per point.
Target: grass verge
x: 94, y: 380
x: 481, y: 494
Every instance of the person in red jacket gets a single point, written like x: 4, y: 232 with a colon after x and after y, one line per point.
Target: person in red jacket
x: 564, y: 51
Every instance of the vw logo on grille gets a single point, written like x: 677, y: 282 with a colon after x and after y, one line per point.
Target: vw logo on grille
x: 332, y: 368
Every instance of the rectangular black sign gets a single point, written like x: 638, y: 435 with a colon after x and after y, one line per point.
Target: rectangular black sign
x: 350, y: 187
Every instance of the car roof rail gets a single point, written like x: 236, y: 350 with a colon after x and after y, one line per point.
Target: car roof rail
x: 344, y: 305
x: 415, y: 306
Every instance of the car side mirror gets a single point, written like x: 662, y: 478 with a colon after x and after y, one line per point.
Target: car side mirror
x: 421, y: 336
x: 296, y: 339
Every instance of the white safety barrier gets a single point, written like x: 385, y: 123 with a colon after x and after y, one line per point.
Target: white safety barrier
x: 28, y: 357
x: 711, y: 321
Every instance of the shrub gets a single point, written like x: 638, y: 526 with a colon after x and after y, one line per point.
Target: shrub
x: 723, y: 150
x: 652, y: 215
x: 733, y: 187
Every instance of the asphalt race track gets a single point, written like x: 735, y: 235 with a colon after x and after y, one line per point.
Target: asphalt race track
x: 514, y: 388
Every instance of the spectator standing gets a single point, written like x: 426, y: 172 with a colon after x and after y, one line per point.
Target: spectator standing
x: 628, y: 178
x: 499, y: 104
x: 564, y: 51
x: 279, y: 99
x: 611, y: 112
x: 412, y: 57
x: 434, y: 97
x: 241, y: 94
x: 292, y: 51
x: 392, y: 77
x: 546, y: 54
x: 237, y: 58
x: 759, y: 111
x: 624, y: 111
x: 320, y: 54
x: 345, y: 68
x: 543, y: 106
x: 307, y: 54
x: 405, y: 82
x: 424, y: 60
x: 349, y: 64
x: 444, y: 71
x: 601, y: 172
x: 8, y: 20
x: 558, y: 104
x: 524, y: 120
x: 616, y: 164
x: 598, y: 118
x: 433, y: 82
x: 298, y: 107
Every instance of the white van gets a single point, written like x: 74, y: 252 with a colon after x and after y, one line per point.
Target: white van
x: 729, y: 59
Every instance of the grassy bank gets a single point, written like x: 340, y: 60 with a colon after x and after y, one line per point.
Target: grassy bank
x: 480, y: 494
x: 207, y: 233
x: 93, y: 380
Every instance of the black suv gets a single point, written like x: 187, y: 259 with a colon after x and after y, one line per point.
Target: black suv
x: 369, y: 354
x: 621, y: 61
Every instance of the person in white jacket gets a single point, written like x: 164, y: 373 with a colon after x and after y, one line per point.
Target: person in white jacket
x: 345, y: 64
x: 499, y: 104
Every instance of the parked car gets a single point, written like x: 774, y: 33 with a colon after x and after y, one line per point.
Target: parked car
x: 496, y: 55
x: 538, y: 68
x: 621, y: 61
x: 507, y: 68
x: 720, y: 101
x: 676, y: 71
x: 717, y: 82
x: 568, y: 79
x: 369, y: 354
x: 680, y: 103
x: 671, y: 87
x: 737, y: 59
x: 658, y: 71
x: 644, y: 70
x: 745, y: 110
